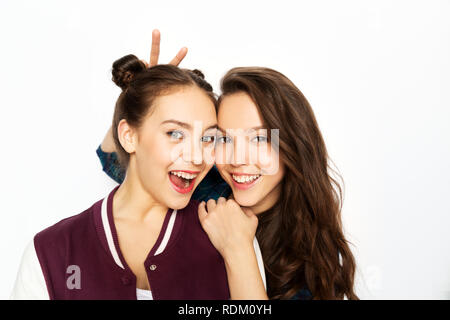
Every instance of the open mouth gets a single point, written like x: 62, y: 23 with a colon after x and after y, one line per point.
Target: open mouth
x: 183, y: 181
x: 244, y: 181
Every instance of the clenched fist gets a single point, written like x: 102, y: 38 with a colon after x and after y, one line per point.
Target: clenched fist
x: 229, y: 227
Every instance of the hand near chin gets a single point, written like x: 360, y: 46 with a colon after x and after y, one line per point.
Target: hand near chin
x: 154, y: 52
x: 230, y: 228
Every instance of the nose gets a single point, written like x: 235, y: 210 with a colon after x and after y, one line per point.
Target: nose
x: 197, y: 155
x: 193, y: 152
x: 240, y: 154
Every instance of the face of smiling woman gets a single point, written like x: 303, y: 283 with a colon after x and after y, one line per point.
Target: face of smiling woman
x: 244, y: 155
x: 169, y: 151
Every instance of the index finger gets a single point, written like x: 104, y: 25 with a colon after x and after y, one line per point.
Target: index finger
x: 179, y: 57
x: 202, y: 211
x: 154, y: 52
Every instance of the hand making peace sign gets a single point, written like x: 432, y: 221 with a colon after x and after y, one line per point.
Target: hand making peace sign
x: 154, y: 52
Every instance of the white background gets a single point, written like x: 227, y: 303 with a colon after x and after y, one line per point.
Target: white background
x: 377, y: 74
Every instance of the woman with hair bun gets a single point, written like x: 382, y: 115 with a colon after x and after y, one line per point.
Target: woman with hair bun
x: 144, y: 239
x: 294, y: 210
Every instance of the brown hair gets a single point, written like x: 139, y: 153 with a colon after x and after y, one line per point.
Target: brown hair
x: 301, y: 236
x: 141, y: 86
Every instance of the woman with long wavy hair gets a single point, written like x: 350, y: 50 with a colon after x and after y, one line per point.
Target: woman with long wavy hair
x: 294, y: 210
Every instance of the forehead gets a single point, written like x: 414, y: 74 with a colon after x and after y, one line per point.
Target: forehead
x: 238, y: 111
x: 186, y: 104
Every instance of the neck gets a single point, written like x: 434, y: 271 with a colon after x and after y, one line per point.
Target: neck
x: 132, y: 202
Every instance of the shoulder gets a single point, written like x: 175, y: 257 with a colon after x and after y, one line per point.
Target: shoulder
x: 66, y: 229
x: 191, y: 209
x: 192, y: 221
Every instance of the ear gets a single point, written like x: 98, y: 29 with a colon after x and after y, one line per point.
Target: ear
x: 127, y: 136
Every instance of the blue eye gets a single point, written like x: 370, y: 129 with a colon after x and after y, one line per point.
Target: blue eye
x: 208, y: 139
x: 223, y: 139
x: 175, y: 135
x: 259, y: 139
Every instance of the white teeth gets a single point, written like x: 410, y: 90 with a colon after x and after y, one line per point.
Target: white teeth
x: 243, y: 179
x: 184, y: 175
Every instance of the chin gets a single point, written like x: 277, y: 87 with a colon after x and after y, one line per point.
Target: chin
x: 179, y: 203
x: 244, y: 199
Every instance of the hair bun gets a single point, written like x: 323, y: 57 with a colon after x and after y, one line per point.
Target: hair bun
x: 125, y: 69
x: 199, y: 79
x: 198, y: 73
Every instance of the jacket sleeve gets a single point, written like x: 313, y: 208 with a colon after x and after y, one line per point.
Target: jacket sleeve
x: 110, y: 164
x: 30, y: 282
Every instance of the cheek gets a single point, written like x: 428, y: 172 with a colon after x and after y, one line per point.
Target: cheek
x: 222, y: 168
x: 154, y: 154
x: 222, y: 153
x: 267, y: 160
x: 271, y: 181
x: 273, y: 170
x: 209, y: 155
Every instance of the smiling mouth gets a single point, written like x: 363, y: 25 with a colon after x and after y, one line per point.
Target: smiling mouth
x: 183, y: 181
x: 244, y: 181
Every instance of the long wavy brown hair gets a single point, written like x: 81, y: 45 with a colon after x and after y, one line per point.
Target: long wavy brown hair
x: 301, y: 236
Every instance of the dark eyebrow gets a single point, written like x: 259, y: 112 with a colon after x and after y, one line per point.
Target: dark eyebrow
x: 254, y: 128
x: 258, y: 127
x: 186, y: 125
x: 181, y: 124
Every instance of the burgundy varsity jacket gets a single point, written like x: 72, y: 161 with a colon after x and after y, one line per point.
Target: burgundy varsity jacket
x: 80, y: 258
